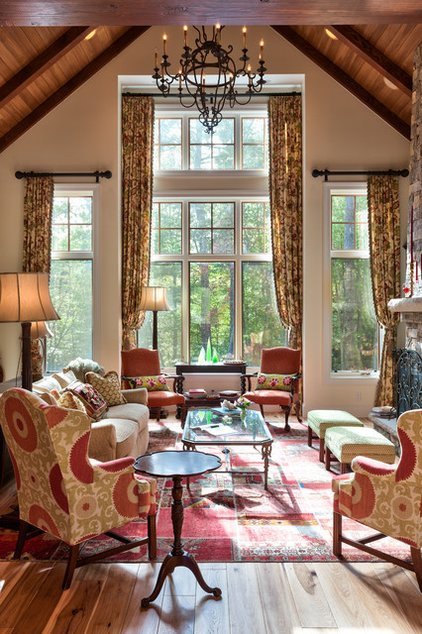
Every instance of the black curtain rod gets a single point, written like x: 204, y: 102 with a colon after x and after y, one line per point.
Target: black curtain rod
x: 97, y: 175
x: 175, y: 95
x: 327, y: 173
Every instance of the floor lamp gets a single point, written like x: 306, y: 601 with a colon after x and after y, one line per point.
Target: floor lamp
x: 24, y: 298
x: 154, y: 298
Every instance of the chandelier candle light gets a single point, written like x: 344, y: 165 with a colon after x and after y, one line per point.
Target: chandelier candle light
x: 208, y: 74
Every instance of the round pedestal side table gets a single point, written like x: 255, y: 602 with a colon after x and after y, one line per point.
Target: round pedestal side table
x: 177, y: 465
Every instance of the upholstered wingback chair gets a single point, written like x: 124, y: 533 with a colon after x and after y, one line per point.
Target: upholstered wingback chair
x: 140, y: 368
x: 387, y: 498
x: 277, y: 381
x: 63, y: 492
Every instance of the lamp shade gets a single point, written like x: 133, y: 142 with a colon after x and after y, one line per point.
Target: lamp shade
x: 39, y: 329
x: 154, y: 298
x: 25, y: 297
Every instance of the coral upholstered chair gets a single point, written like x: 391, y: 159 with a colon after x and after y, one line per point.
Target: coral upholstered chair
x: 386, y: 497
x: 60, y: 490
x: 141, y: 367
x: 278, y: 381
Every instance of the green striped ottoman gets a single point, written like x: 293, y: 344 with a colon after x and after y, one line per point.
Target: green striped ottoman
x: 319, y: 420
x: 345, y: 443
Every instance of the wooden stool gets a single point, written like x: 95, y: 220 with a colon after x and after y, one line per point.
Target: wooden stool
x: 319, y: 420
x: 345, y: 443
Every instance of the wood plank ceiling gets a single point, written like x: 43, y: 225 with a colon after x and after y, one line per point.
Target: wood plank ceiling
x: 370, y: 51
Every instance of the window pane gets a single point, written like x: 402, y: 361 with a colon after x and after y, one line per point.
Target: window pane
x: 71, y: 292
x: 362, y: 237
x: 60, y: 210
x: 59, y: 238
x: 253, y: 130
x: 170, y: 157
x: 197, y: 132
x: 80, y: 209
x: 353, y: 313
x: 256, y: 232
x: 211, y: 307
x: 200, y: 157
x: 255, y: 241
x: 80, y: 238
x: 170, y: 241
x: 223, y: 157
x: 170, y: 215
x: 262, y: 327
x: 343, y: 208
x: 224, y: 132
x: 200, y: 214
x: 223, y: 241
x: 200, y: 241
x: 155, y: 217
x: 223, y: 214
x: 253, y: 157
x: 343, y: 236
x: 170, y: 131
x: 169, y: 328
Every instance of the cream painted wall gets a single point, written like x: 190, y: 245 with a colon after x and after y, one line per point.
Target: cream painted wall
x: 83, y: 134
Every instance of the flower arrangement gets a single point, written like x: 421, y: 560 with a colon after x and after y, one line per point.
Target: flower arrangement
x: 243, y: 403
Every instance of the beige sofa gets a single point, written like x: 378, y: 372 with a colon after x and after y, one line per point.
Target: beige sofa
x: 123, y: 429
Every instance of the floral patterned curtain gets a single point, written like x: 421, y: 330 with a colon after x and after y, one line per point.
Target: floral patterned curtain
x: 37, y: 212
x: 384, y: 249
x: 285, y: 132
x: 137, y: 148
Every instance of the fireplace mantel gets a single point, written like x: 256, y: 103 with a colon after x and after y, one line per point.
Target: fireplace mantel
x: 406, y: 305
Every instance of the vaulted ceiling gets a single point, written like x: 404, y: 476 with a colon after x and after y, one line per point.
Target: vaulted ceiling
x: 369, y: 48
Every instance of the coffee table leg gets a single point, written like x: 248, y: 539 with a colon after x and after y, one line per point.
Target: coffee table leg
x: 266, y: 453
x: 177, y: 556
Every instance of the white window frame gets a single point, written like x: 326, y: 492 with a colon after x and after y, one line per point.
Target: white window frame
x: 84, y: 189
x: 339, y: 188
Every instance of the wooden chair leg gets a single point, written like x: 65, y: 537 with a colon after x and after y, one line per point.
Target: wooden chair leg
x: 152, y: 537
x: 287, y: 411
x: 261, y: 407
x: 71, y: 565
x: 298, y: 412
x: 344, y: 467
x: 23, y: 531
x: 417, y: 564
x: 309, y: 437
x: 327, y: 459
x: 337, y: 534
x: 321, y: 449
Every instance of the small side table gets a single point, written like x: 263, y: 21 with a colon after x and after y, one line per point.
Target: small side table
x: 177, y: 464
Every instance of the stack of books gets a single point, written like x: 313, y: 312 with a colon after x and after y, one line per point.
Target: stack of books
x: 197, y: 393
x: 384, y: 411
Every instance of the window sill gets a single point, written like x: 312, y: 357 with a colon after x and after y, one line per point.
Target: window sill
x: 353, y: 376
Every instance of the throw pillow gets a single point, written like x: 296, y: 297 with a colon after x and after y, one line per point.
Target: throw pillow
x: 151, y: 383
x: 64, y: 378
x: 274, y: 382
x: 68, y: 400
x: 94, y: 403
x: 108, y: 386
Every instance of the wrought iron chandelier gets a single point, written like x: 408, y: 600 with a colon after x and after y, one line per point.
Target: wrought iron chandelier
x: 207, y: 75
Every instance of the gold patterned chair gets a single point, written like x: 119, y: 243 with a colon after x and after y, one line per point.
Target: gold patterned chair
x: 387, y: 498
x: 60, y: 490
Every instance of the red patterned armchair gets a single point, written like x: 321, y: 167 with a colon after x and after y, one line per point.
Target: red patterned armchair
x: 141, y: 368
x: 60, y: 490
x: 277, y: 381
x: 387, y: 498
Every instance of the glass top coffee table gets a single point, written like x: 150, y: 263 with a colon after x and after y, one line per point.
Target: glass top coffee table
x: 207, y: 427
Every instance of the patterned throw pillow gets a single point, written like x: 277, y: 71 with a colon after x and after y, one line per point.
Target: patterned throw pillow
x: 274, y: 382
x: 108, y: 386
x: 94, y: 403
x: 152, y: 383
x: 69, y: 401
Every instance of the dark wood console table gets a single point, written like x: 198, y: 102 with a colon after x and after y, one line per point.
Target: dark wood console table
x: 210, y: 368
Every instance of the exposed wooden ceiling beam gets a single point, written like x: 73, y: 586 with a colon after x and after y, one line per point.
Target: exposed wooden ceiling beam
x: 64, y: 91
x: 236, y: 12
x: 44, y: 60
x: 373, y: 56
x: 344, y: 79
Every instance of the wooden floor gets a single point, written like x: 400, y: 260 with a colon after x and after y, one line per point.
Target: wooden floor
x: 257, y: 598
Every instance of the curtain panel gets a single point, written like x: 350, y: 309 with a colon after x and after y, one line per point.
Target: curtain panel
x: 37, y: 216
x: 137, y: 156
x: 384, y: 249
x: 285, y: 137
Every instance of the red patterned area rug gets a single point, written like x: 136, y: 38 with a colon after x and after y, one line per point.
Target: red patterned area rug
x: 232, y: 518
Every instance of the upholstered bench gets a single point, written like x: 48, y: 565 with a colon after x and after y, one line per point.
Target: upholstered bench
x: 345, y: 443
x: 319, y: 420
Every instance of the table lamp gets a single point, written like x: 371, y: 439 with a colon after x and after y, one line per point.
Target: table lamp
x: 154, y: 298
x: 25, y: 298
